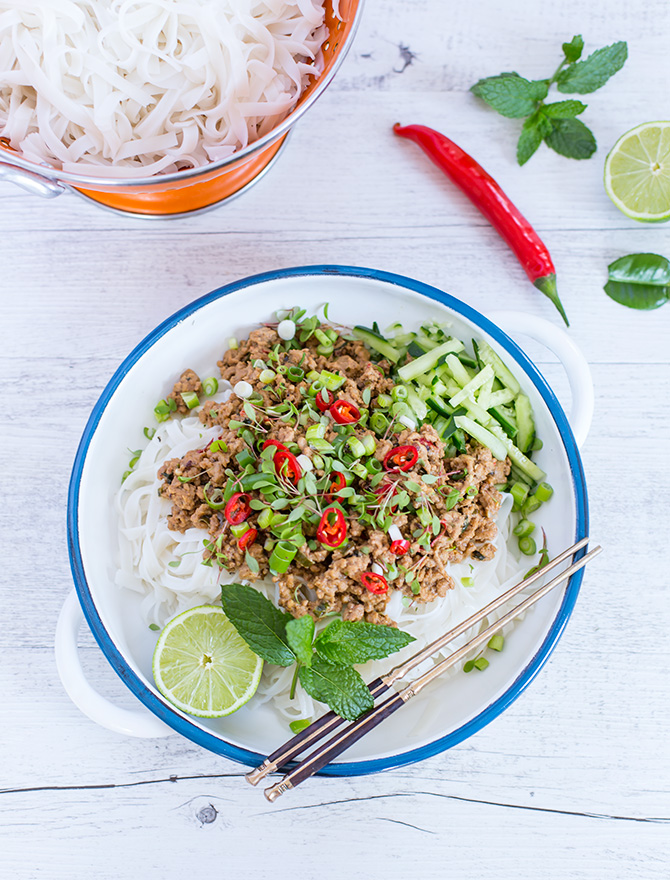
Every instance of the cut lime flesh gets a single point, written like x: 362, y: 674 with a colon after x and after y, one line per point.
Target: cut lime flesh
x: 637, y: 172
x: 203, y: 666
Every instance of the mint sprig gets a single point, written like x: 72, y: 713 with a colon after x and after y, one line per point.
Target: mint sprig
x: 555, y: 123
x: 325, y: 663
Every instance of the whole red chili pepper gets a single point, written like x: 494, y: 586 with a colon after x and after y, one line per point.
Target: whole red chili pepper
x: 486, y: 194
x: 332, y: 528
x: 402, y: 457
x: 237, y: 509
x: 247, y: 538
x: 344, y: 412
x: 399, y: 547
x: 375, y: 583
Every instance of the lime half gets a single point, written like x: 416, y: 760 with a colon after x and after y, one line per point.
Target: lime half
x: 203, y: 666
x: 637, y: 172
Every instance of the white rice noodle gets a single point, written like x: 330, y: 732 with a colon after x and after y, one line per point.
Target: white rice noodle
x: 150, y: 86
x: 167, y: 568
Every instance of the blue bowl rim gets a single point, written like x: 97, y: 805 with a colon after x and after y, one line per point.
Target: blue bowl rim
x: 214, y: 743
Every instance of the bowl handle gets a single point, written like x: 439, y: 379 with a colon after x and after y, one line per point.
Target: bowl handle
x: 31, y: 182
x: 131, y: 722
x: 573, y: 361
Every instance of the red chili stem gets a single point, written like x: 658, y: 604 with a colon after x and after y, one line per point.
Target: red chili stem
x: 485, y: 193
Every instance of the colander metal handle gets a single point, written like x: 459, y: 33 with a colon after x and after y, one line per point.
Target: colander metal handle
x: 138, y: 722
x: 573, y: 361
x: 31, y: 182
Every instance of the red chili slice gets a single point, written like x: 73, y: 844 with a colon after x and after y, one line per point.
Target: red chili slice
x: 322, y: 404
x: 401, y: 458
x: 338, y: 482
x: 375, y: 583
x: 286, y: 465
x: 344, y: 412
x: 247, y: 538
x: 237, y: 509
x: 332, y: 528
x: 399, y: 547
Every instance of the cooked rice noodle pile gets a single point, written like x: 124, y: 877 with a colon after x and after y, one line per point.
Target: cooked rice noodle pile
x: 147, y: 548
x: 151, y: 86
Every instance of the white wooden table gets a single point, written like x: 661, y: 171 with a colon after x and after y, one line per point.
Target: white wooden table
x: 572, y: 781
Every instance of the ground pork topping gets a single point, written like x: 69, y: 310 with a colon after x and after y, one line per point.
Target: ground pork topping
x: 316, y: 479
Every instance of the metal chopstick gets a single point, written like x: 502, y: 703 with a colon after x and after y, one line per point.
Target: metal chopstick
x: 355, y: 731
x: 330, y: 720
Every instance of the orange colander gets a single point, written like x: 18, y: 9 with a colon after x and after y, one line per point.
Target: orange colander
x: 194, y: 189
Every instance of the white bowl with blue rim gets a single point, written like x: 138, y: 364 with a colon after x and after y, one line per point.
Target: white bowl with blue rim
x: 195, y: 337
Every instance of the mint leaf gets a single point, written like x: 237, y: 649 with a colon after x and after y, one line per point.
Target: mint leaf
x: 345, y: 642
x: 563, y: 109
x: 534, y: 131
x: 592, y: 73
x: 261, y: 625
x: 340, y: 687
x: 300, y: 634
x: 639, y: 281
x: 573, y: 50
x: 571, y: 138
x: 509, y: 94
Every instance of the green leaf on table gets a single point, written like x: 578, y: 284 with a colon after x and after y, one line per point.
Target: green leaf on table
x: 571, y: 138
x: 510, y: 94
x: 573, y: 50
x: 345, y: 642
x: 340, y: 687
x: 261, y: 625
x: 639, y: 281
x: 563, y: 109
x: 592, y: 73
x: 534, y: 131
x: 300, y: 635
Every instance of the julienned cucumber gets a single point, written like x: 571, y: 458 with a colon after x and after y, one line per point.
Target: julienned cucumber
x: 525, y: 424
x: 483, y: 436
x: 378, y: 343
x: 488, y: 356
x: 522, y: 462
x: 428, y: 360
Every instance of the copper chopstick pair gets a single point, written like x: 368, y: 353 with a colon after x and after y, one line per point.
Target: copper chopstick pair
x: 329, y: 722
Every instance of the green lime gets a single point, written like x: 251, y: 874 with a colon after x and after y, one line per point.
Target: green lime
x: 202, y: 664
x: 637, y: 172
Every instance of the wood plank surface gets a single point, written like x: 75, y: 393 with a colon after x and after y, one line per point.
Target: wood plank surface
x: 572, y: 781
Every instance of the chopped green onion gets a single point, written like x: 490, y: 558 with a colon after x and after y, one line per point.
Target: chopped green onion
x: 315, y: 432
x: 468, y: 581
x: 319, y: 445
x: 519, y: 493
x: 357, y: 448
x: 399, y: 392
x: 359, y: 469
x: 232, y: 343
x: 239, y: 529
x: 378, y: 422
x: 527, y: 546
x: 323, y: 338
x: 210, y: 385
x: 266, y: 376
x: 299, y: 725
x: 331, y: 381
x: 318, y: 462
x: 216, y: 500
x: 315, y: 387
x: 312, y: 376
x: 543, y: 492
x: 190, y: 398
x: 149, y: 433
x: 468, y: 666
x: 369, y: 444
x: 325, y: 350
x: 481, y: 663
x: 531, y: 505
x: 373, y: 466
x: 523, y: 528
x: 125, y: 476
x: 282, y: 556
x: 496, y: 642
x: 295, y: 374
x: 384, y: 401
x: 265, y: 517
